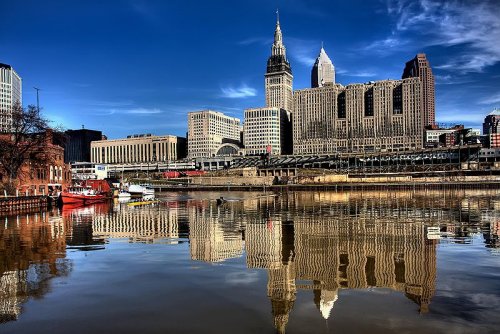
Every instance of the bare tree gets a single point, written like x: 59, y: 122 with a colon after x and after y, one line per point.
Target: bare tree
x: 26, y: 143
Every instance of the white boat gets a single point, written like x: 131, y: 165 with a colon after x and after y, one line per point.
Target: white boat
x: 124, y: 194
x: 141, y: 189
x: 148, y: 190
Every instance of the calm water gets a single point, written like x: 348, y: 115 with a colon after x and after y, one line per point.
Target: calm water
x: 318, y: 262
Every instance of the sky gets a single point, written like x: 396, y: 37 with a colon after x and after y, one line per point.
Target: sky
x: 139, y: 66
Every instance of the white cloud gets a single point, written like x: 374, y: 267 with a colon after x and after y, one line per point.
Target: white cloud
x: 239, y: 92
x: 474, y: 25
x: 360, y: 74
x: 450, y: 80
x: 256, y: 40
x: 491, y: 100
x: 386, y: 45
x: 143, y: 111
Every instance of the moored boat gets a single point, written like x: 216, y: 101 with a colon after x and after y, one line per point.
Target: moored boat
x: 124, y: 194
x: 141, y: 189
x: 82, y: 196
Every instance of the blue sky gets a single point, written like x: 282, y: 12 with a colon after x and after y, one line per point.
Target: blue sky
x: 138, y: 66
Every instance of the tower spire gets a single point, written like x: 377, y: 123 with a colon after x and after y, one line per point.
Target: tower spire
x: 278, y: 47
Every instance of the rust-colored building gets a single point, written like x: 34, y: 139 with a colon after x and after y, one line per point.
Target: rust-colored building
x: 43, y: 178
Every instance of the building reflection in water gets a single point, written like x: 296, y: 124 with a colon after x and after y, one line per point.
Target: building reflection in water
x: 151, y: 224
x: 326, y: 241
x: 32, y: 252
x: 215, y: 234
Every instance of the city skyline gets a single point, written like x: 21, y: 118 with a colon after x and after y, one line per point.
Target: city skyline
x: 131, y: 67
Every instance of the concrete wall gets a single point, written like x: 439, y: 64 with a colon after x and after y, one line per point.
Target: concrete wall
x: 381, y: 179
x: 320, y: 179
x: 343, y: 178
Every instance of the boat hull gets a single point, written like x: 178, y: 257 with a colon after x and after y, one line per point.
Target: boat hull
x: 68, y: 198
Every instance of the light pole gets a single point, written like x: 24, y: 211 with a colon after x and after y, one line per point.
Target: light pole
x: 37, y: 99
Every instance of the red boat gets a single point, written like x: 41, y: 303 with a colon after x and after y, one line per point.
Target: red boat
x: 82, y: 196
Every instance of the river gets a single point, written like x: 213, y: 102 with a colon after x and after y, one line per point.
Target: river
x: 297, y: 262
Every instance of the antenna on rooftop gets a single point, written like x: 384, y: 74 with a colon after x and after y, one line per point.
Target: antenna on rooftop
x: 37, y: 99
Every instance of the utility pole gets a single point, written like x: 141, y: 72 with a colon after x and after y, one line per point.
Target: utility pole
x: 37, y: 99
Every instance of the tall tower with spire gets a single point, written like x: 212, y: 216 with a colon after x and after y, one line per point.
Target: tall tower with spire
x: 279, y: 78
x: 323, y: 71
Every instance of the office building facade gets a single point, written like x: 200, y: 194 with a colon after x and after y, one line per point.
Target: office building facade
x: 77, y: 144
x: 376, y: 116
x: 11, y: 93
x: 267, y: 130
x: 208, y: 130
x: 491, y: 122
x: 136, y: 149
x: 419, y: 67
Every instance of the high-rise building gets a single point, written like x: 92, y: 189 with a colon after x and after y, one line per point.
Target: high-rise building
x: 267, y: 130
x: 77, y: 144
x: 279, y: 78
x: 208, y: 130
x: 492, y: 122
x: 419, y: 67
x: 376, y: 116
x: 10, y: 94
x: 323, y: 71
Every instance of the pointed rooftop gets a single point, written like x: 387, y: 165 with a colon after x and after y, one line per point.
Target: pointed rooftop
x: 277, y: 62
x: 323, y: 71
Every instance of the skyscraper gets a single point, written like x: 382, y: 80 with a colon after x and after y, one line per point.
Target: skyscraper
x: 323, y: 71
x: 10, y: 94
x: 279, y: 78
x: 420, y: 67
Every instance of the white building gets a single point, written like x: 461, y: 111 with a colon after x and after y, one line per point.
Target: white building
x: 432, y: 136
x: 88, y: 171
x: 136, y: 149
x: 10, y: 94
x: 267, y: 130
x: 323, y: 71
x: 208, y: 130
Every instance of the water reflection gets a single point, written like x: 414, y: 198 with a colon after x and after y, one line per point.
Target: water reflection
x: 32, y: 252
x: 318, y: 243
x: 148, y: 224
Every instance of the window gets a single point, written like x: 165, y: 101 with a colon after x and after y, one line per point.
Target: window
x: 341, y: 110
